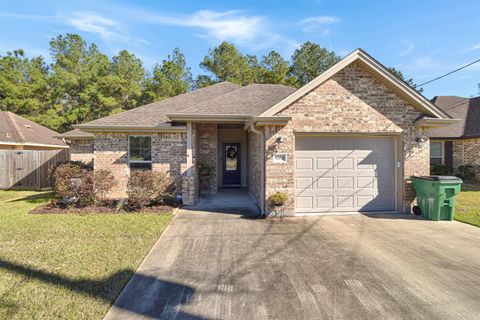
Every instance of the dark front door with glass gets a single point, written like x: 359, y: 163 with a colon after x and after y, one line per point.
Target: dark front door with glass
x: 231, y: 165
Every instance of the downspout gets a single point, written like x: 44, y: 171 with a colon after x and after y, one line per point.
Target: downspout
x: 262, y: 166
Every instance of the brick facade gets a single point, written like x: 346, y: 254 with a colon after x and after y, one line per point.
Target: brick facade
x: 168, y: 155
x: 82, y: 150
x: 254, y: 165
x: 351, y: 102
x: 208, y: 154
x: 467, y: 152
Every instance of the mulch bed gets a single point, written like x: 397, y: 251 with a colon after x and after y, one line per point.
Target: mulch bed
x: 49, y: 208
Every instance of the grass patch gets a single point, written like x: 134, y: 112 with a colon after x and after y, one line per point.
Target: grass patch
x: 468, y: 204
x: 67, y: 266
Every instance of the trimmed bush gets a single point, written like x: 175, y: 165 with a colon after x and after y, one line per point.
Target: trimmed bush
x: 442, y: 170
x: 104, y: 181
x: 147, y: 188
x: 466, y: 172
x: 73, y: 185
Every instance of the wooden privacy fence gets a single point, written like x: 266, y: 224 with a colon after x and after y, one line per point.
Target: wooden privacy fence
x: 29, y: 169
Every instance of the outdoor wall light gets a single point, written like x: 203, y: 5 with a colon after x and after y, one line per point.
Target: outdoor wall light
x: 280, y: 140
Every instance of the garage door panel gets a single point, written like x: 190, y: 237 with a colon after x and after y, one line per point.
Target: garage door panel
x: 303, y: 163
x: 345, y: 182
x: 339, y: 174
x: 325, y: 202
x: 304, y: 183
x: 324, y: 162
x: 325, y: 183
x: 366, y: 182
x: 304, y: 203
x: 345, y: 163
x: 345, y: 202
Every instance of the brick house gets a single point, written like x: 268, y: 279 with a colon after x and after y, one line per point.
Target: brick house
x: 347, y: 141
x: 459, y: 144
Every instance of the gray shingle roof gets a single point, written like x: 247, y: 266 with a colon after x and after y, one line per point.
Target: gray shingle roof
x: 18, y: 130
x: 154, y: 114
x: 219, y: 99
x: 251, y: 100
x: 465, y: 109
x: 76, y: 134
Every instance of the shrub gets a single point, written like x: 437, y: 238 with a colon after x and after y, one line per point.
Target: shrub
x: 146, y: 188
x: 104, y: 181
x: 277, y: 199
x: 73, y: 185
x: 466, y: 172
x: 442, y: 170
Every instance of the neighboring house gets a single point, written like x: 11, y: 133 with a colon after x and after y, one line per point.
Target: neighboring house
x: 81, y: 145
x: 459, y: 144
x: 28, y: 151
x: 347, y: 141
x: 21, y: 134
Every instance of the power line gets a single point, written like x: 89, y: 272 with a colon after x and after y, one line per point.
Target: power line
x: 449, y: 73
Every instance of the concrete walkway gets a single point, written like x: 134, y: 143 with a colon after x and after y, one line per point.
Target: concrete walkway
x: 213, y: 265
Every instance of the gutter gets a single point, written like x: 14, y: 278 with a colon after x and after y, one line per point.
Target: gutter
x: 129, y: 128
x: 435, y: 122
x: 262, y: 166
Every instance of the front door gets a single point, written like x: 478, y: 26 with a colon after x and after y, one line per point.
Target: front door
x: 231, y: 165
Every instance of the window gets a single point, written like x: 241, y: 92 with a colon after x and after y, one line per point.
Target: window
x: 436, y: 153
x: 140, y: 152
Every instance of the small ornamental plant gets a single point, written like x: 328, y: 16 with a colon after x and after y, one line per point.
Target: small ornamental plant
x: 277, y: 199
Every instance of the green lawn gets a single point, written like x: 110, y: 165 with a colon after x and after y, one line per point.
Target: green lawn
x: 468, y: 204
x: 67, y: 266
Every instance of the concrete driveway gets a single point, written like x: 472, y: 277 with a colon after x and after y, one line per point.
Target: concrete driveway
x: 229, y: 266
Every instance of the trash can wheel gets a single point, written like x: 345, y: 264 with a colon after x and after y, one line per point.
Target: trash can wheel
x: 416, y: 210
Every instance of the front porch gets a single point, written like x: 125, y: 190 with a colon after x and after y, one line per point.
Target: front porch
x: 229, y: 201
x: 224, y: 168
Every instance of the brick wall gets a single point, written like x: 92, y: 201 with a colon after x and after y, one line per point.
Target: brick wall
x: 190, y: 181
x: 81, y: 150
x: 207, y: 153
x: 467, y: 152
x: 352, y: 101
x: 253, y: 169
x: 168, y: 155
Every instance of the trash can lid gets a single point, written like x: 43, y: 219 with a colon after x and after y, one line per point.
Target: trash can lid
x: 439, y: 178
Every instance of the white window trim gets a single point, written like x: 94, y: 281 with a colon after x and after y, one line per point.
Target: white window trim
x: 442, y: 148
x: 139, y: 161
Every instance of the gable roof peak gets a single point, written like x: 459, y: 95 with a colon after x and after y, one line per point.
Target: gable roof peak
x: 359, y: 54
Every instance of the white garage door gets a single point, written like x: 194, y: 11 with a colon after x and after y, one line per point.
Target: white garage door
x: 344, y: 174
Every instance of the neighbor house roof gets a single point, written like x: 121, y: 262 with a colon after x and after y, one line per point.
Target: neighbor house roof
x: 76, y: 134
x: 16, y: 130
x: 154, y: 115
x: 465, y: 109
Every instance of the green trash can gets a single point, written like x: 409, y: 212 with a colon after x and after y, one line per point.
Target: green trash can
x: 436, y: 196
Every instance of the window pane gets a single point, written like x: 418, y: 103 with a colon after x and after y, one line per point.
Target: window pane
x: 140, y: 166
x: 436, y: 149
x: 434, y: 161
x: 140, y: 149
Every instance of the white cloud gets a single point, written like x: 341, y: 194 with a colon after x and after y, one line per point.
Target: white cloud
x: 228, y: 25
x: 319, y: 24
x: 474, y: 47
x: 105, y: 28
x: 409, y: 47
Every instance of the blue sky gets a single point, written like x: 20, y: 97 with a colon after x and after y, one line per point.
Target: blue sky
x: 424, y: 39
